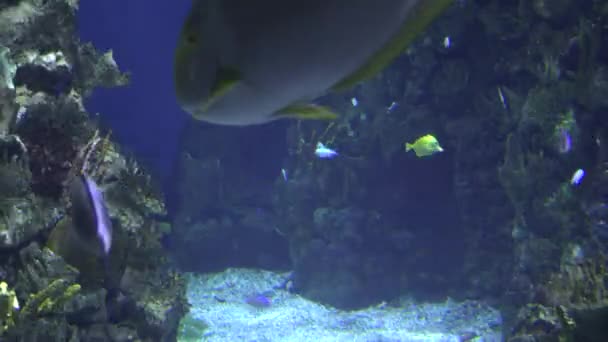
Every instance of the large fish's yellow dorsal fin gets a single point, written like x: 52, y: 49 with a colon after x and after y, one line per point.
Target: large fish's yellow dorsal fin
x: 225, y: 80
x: 417, y: 21
x: 306, y: 111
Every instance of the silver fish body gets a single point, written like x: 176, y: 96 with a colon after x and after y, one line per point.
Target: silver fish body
x: 286, y: 52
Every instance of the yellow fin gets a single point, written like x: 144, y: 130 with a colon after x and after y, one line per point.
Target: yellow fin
x: 408, y: 147
x: 307, y: 112
x: 225, y: 80
x: 417, y: 21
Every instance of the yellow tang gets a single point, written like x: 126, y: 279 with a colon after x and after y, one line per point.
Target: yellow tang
x: 244, y: 62
x: 424, y: 146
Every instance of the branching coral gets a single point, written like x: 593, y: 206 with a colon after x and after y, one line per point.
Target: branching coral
x: 50, y: 299
x: 8, y: 305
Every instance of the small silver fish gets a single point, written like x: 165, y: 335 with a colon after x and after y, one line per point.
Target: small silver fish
x: 354, y: 102
x: 502, y: 98
x: 284, y: 174
x: 446, y: 42
x: 324, y: 152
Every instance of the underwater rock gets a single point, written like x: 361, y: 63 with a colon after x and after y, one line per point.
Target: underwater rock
x: 132, y: 196
x: 15, y: 176
x: 8, y: 108
x: 596, y: 95
x: 246, y: 240
x: 347, y: 253
x: 536, y: 322
x: 87, y: 308
x: 49, y: 73
x: 26, y: 220
x: 29, y: 27
x: 40, y: 268
x: 52, y: 129
x: 553, y: 9
x: 7, y: 69
x: 46, y: 139
x: 157, y: 313
x: 230, y: 222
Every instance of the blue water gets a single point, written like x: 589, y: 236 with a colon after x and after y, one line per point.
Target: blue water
x: 143, y: 116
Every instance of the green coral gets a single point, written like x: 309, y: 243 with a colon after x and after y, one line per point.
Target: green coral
x: 191, y: 329
x: 540, y: 323
x: 50, y: 304
x: 50, y: 299
x: 8, y: 305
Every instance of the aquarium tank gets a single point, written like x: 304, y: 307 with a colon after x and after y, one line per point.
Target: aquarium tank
x: 402, y: 170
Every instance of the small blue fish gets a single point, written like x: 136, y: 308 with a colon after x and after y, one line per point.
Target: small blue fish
x: 392, y: 107
x: 577, y: 177
x: 447, y: 42
x: 284, y: 174
x: 324, y: 152
x: 564, y: 141
x: 259, y: 301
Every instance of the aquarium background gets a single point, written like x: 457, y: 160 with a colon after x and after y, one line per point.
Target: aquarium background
x: 226, y: 234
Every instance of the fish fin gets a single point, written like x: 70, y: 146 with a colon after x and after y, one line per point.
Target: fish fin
x: 408, y: 147
x: 417, y: 21
x: 226, y: 79
x: 306, y: 112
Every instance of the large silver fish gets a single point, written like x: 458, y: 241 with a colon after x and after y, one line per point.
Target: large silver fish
x: 243, y: 62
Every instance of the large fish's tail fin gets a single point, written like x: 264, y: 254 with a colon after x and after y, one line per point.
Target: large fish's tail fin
x: 408, y: 147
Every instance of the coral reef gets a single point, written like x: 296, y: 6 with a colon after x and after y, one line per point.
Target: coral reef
x: 49, y: 300
x: 46, y: 139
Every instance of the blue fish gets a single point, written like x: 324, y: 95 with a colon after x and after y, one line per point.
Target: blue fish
x: 324, y: 152
x: 564, y: 141
x: 577, y: 177
x: 259, y: 301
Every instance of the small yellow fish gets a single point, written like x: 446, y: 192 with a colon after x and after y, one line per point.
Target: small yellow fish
x: 424, y: 146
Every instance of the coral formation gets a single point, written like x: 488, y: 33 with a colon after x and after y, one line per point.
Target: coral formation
x: 8, y: 306
x: 46, y: 139
x: 49, y: 300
